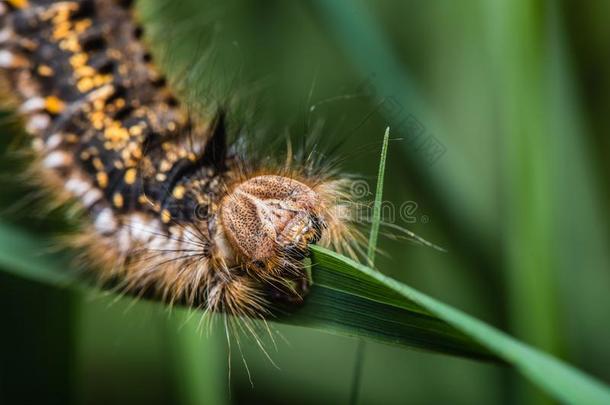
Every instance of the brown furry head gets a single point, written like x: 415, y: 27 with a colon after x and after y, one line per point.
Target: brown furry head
x: 270, y: 216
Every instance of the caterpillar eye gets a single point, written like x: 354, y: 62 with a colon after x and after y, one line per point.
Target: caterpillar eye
x: 259, y: 265
x: 264, y: 216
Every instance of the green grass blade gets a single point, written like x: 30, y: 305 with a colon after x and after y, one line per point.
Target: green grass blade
x: 527, y: 226
x: 558, y: 379
x: 199, y: 361
x: 372, y: 247
x: 583, y: 237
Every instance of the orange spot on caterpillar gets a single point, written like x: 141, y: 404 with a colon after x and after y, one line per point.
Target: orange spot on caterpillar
x: 130, y: 176
x: 54, y: 105
x: 70, y: 44
x: 102, y: 179
x: 100, y: 80
x: 166, y: 216
x: 19, y: 3
x: 117, y: 200
x: 60, y: 12
x: 45, y: 70
x: 62, y: 30
x: 82, y: 25
x: 116, y: 134
x: 84, y: 71
x: 119, y: 103
x: 136, y: 153
x: 136, y: 130
x: 78, y: 60
x: 97, y: 163
x: 178, y: 192
x: 85, y: 84
x: 97, y: 119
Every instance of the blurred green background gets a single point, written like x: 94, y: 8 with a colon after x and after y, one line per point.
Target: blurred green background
x: 499, y: 118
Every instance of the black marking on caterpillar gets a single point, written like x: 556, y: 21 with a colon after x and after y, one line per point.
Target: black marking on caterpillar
x: 173, y: 211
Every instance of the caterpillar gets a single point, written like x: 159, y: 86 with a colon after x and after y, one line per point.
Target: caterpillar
x: 172, y: 209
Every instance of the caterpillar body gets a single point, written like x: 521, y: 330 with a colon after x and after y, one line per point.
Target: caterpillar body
x: 173, y: 210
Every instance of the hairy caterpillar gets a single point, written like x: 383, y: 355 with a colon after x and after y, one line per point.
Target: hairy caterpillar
x: 174, y: 211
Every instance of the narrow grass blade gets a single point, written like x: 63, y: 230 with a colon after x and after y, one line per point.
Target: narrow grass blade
x: 198, y: 360
x: 372, y: 247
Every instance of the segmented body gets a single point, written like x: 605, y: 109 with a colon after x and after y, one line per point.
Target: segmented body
x: 97, y: 103
x: 152, y: 180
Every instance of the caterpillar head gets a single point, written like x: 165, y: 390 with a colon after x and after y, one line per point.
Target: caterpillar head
x: 269, y: 220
